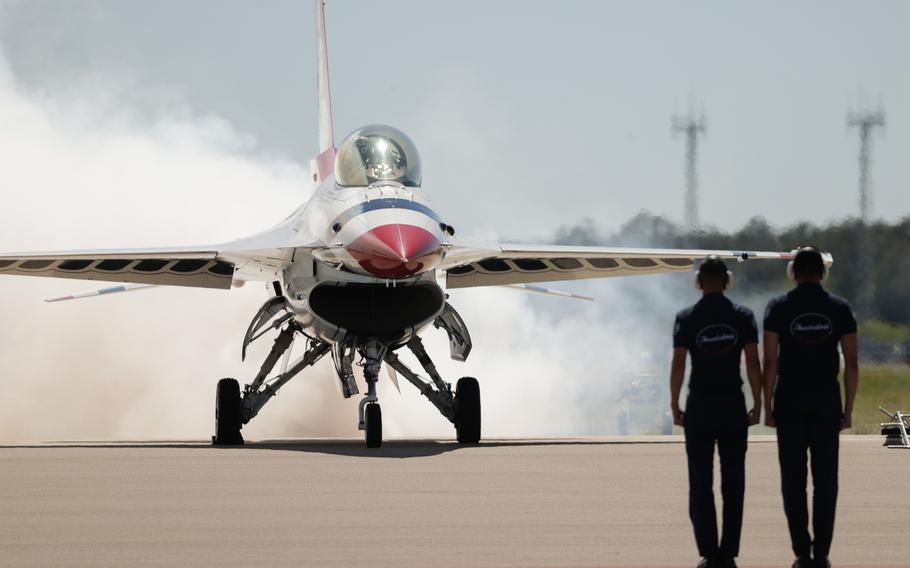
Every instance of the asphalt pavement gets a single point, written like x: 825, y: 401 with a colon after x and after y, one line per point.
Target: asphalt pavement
x: 505, y: 503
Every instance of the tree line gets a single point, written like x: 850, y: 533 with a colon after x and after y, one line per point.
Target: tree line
x: 889, y: 245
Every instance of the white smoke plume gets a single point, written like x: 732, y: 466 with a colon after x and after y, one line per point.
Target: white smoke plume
x: 78, y: 169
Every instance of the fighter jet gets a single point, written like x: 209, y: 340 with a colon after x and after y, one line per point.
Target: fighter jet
x: 358, y: 272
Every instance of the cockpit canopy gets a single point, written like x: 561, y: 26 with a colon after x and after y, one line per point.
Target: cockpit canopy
x: 377, y: 153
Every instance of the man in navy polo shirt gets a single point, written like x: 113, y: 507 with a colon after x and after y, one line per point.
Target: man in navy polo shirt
x: 715, y: 332
x: 802, y: 398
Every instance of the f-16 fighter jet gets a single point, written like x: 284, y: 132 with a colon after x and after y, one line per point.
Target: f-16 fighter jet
x: 358, y: 272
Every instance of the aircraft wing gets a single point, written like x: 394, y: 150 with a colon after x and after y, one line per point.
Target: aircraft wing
x: 202, y: 267
x: 505, y: 264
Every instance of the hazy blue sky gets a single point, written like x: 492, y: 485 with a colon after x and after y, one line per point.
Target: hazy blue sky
x: 529, y: 115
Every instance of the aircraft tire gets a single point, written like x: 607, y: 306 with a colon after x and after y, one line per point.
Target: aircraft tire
x: 467, y: 411
x: 373, y: 431
x: 228, y: 414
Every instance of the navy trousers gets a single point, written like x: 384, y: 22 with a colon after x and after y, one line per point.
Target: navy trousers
x: 720, y: 421
x: 797, y: 435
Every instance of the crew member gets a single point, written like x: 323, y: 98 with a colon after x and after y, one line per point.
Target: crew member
x: 802, y: 397
x: 715, y: 332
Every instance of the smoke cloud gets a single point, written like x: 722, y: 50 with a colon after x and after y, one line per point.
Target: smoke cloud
x: 80, y: 169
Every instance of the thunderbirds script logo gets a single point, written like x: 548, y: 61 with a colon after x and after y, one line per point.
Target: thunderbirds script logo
x: 716, y: 339
x: 811, y: 328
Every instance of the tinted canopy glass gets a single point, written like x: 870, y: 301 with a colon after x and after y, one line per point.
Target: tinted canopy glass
x: 377, y: 153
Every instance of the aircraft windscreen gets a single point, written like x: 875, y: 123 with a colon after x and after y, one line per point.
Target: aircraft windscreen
x: 377, y: 153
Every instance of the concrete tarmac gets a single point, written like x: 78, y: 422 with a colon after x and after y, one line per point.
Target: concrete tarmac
x: 506, y: 503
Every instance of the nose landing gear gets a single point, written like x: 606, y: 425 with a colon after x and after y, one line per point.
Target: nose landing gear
x: 369, y: 409
x: 373, y: 425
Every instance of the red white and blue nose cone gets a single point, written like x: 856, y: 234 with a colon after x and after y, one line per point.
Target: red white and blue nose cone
x: 396, y: 250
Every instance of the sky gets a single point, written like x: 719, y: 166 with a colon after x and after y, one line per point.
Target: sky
x: 185, y: 123
x: 543, y: 113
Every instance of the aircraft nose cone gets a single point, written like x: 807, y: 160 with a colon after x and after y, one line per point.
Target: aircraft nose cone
x: 396, y: 250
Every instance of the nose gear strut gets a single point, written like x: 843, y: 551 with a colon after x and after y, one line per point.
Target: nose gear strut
x: 369, y: 411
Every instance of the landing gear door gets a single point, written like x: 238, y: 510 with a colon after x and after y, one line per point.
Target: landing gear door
x: 459, y: 338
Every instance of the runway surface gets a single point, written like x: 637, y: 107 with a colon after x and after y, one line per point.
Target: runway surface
x: 517, y: 503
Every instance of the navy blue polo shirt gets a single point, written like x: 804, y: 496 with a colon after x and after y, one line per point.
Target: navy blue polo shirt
x: 809, y: 323
x: 714, y: 331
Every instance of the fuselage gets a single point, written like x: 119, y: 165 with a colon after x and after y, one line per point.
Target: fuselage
x: 374, y: 271
x: 384, y: 231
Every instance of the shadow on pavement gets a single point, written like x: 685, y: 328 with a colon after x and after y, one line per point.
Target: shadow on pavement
x: 422, y: 448
x: 399, y: 449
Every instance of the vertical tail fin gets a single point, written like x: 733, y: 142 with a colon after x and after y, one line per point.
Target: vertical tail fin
x: 324, y: 163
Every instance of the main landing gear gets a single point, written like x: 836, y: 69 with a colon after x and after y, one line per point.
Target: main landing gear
x: 234, y: 408
x: 461, y: 408
x: 228, y: 413
x: 467, y: 410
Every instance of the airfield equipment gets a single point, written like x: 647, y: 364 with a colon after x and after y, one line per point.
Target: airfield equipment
x: 644, y: 403
x: 897, y: 431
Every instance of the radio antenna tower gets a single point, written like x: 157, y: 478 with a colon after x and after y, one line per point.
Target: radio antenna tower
x: 692, y: 126
x: 865, y: 121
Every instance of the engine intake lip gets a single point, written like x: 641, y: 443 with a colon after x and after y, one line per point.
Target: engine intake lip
x: 377, y: 310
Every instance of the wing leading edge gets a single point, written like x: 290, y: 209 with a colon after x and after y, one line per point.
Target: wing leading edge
x: 168, y: 267
x: 259, y: 257
x: 524, y: 264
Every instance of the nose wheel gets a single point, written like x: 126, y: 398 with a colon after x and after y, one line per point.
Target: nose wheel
x: 373, y: 427
x: 369, y: 410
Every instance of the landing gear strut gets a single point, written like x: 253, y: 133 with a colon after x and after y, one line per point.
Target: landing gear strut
x: 233, y: 409
x: 461, y: 408
x: 257, y: 393
x: 369, y: 411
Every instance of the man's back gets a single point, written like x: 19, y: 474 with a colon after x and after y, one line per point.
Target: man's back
x: 809, y: 323
x: 803, y: 329
x: 714, y: 330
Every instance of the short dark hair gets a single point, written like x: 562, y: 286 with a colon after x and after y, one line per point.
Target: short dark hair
x: 808, y: 263
x: 713, y: 269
